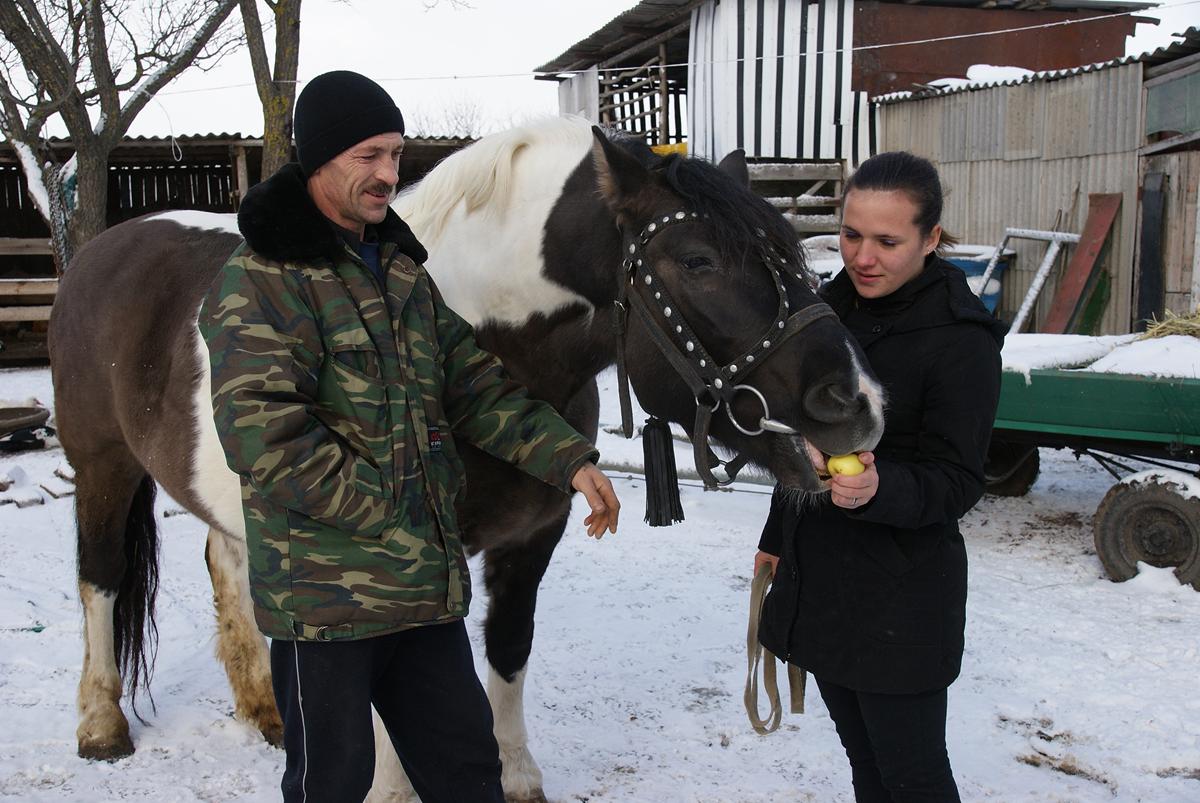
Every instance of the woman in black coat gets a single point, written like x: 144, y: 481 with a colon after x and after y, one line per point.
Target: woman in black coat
x: 870, y: 584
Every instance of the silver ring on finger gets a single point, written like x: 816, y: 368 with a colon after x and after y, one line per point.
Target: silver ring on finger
x: 854, y: 501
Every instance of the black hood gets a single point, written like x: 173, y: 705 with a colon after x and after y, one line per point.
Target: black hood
x: 938, y: 296
x: 280, y: 222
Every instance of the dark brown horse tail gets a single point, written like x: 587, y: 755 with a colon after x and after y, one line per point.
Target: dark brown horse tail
x: 135, y: 633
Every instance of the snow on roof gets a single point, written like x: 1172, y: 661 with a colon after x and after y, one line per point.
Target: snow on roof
x: 955, y: 85
x: 988, y: 76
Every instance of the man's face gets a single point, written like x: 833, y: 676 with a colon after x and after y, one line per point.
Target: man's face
x: 354, y: 188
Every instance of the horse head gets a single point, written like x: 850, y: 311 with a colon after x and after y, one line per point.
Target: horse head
x: 725, y: 334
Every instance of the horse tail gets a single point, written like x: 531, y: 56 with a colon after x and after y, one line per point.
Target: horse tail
x: 135, y: 633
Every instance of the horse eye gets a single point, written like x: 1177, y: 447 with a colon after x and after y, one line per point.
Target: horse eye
x: 696, y: 263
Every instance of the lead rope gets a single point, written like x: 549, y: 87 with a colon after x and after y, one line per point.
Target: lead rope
x: 755, y: 653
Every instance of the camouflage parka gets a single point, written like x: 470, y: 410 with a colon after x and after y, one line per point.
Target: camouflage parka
x: 338, y: 404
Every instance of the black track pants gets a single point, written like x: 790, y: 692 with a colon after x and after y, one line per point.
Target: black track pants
x: 423, y: 684
x: 896, y: 744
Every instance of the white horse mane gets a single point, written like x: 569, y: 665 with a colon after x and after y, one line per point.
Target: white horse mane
x: 482, y: 174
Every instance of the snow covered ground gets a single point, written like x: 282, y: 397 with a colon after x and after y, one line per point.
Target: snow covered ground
x: 1073, y: 688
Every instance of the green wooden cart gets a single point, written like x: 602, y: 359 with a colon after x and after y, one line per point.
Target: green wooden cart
x: 1112, y: 418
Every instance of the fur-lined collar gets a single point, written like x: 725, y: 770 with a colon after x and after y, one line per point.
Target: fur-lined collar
x: 281, y: 223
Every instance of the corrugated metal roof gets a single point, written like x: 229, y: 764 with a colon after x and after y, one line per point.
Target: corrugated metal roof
x: 652, y: 17
x: 1035, y: 5
x: 1189, y: 45
x: 642, y: 22
x: 237, y: 137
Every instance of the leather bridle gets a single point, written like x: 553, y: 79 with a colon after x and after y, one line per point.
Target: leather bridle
x: 712, y: 384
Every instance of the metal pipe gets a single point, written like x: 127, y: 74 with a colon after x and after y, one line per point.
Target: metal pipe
x: 991, y: 266
x: 1056, y: 239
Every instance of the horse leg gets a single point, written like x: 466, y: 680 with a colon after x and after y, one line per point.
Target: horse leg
x: 512, y: 576
x: 117, y: 545
x: 390, y: 783
x: 240, y: 646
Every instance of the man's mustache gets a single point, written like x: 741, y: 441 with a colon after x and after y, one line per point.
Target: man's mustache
x: 383, y: 189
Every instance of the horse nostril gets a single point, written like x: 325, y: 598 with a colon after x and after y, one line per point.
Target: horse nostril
x: 833, y: 402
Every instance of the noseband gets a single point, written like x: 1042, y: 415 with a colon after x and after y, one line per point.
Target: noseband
x: 712, y: 384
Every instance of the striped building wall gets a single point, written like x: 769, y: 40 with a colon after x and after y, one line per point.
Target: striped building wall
x: 773, y: 77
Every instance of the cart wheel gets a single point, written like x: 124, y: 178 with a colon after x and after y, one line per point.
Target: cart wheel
x: 1150, y: 520
x: 1011, y: 468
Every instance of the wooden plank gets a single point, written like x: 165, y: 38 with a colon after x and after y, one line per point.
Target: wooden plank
x: 807, y: 224
x: 797, y: 201
x: 1168, y: 144
x: 1102, y: 211
x: 800, y: 171
x: 658, y: 39
x: 1149, y: 287
x: 33, y: 313
x: 1121, y: 406
x: 28, y: 287
x: 25, y: 246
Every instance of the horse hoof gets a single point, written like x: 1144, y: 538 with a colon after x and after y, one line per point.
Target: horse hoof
x: 108, y: 750
x: 536, y: 796
x: 273, y: 733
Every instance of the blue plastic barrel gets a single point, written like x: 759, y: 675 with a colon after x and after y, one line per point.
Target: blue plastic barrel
x: 973, y: 261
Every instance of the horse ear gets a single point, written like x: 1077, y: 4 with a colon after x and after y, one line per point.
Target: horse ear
x: 619, y: 175
x: 734, y: 166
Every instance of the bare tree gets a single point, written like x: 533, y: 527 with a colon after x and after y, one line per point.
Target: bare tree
x: 455, y: 117
x: 95, y: 64
x: 276, y: 87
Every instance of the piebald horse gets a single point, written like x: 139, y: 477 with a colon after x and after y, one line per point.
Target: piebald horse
x: 541, y: 237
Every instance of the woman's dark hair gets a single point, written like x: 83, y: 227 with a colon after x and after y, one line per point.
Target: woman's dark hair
x: 912, y: 175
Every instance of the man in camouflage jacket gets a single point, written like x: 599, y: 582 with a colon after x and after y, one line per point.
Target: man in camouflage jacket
x: 340, y: 381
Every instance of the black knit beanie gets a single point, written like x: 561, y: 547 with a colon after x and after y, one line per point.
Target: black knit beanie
x: 337, y: 110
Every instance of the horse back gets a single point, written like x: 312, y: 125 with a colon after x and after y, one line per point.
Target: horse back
x: 122, y: 336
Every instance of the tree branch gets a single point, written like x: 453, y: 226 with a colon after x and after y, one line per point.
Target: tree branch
x: 96, y: 43
x: 258, y: 51
x: 36, y: 45
x: 287, y: 45
x: 171, y: 68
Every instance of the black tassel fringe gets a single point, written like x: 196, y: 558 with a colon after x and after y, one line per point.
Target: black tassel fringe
x: 663, y: 507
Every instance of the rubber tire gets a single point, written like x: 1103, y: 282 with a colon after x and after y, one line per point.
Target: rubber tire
x: 1150, y: 521
x: 1011, y: 468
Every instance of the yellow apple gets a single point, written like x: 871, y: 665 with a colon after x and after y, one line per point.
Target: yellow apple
x: 847, y: 464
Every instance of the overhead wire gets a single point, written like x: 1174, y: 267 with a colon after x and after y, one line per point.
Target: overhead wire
x: 715, y: 62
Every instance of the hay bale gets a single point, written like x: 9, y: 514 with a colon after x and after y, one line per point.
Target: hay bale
x: 1173, y: 324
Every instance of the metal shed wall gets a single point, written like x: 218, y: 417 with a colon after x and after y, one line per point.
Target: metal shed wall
x: 1028, y: 155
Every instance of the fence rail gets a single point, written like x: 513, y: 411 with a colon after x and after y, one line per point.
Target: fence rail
x: 25, y: 247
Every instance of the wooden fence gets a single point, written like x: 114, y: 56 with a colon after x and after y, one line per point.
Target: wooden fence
x: 145, y: 175
x: 809, y: 194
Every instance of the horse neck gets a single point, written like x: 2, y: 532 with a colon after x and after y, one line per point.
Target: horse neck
x: 518, y: 238
x: 482, y: 212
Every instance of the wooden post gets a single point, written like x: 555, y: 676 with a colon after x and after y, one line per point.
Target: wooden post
x: 1149, y: 292
x: 241, y: 175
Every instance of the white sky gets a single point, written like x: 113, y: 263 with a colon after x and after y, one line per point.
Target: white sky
x: 402, y: 46
x: 407, y: 49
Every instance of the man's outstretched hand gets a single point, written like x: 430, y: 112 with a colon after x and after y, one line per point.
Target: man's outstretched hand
x: 601, y: 498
